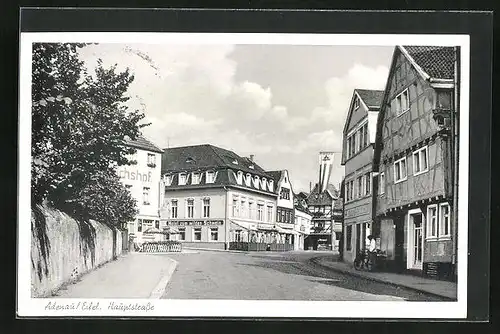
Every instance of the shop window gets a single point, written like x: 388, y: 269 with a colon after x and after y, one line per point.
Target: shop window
x: 214, y: 234
x: 174, y: 208
x: 348, y: 237
x: 197, y: 234
x: 182, y: 233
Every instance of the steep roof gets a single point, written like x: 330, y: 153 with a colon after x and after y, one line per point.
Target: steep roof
x: 200, y: 157
x: 437, y: 62
x: 275, y: 175
x: 372, y: 98
x: 143, y: 143
x: 322, y: 198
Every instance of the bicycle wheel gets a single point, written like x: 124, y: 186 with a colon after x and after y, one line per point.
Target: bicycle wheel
x: 358, y: 263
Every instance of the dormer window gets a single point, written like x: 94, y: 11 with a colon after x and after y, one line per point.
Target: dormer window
x: 167, y: 178
x: 234, y: 162
x: 263, y: 183
x: 182, y: 179
x: 210, y: 177
x: 271, y: 185
x: 256, y: 182
x: 251, y: 167
x: 190, y: 160
x: 239, y: 177
x: 195, y: 178
x: 248, y: 179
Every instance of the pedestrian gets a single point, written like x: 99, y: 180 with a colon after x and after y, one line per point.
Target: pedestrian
x: 372, y: 249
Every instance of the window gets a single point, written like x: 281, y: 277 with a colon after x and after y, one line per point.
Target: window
x: 269, y: 214
x: 263, y: 183
x: 174, y: 208
x: 365, y: 134
x: 206, y: 207
x: 367, y: 184
x: 360, y: 187
x: 420, y: 164
x: 348, y: 237
x: 197, y: 234
x: 362, y: 135
x: 248, y: 179
x: 151, y: 160
x: 356, y: 102
x: 214, y: 233
x: 381, y: 187
x: 400, y: 170
x: 210, y: 177
x: 235, y: 207
x: 243, y: 209
x: 168, y: 179
x: 139, y: 225
x: 251, y: 210
x: 256, y: 181
x: 182, y: 233
x: 271, y: 185
x: 145, y: 196
x: 260, y: 212
x: 444, y: 220
x: 157, y: 224
x: 402, y: 103
x: 195, y: 178
x: 182, y: 179
x: 285, y: 193
x: 432, y: 221
x: 190, y: 208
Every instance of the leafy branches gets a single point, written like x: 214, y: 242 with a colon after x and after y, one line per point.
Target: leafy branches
x: 79, y: 123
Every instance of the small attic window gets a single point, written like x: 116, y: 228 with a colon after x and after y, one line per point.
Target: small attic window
x: 190, y: 160
x: 235, y: 162
x: 251, y: 167
x: 356, y: 102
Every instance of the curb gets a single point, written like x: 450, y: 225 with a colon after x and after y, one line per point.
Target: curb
x: 375, y: 279
x: 160, y: 288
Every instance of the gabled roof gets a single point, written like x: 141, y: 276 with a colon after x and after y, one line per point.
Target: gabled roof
x: 203, y: 157
x: 143, y: 143
x: 437, y: 62
x: 372, y: 98
x: 322, y: 198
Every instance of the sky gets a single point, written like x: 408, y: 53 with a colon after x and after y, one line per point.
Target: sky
x: 282, y: 103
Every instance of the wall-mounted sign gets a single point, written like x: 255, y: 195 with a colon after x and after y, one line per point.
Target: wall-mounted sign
x: 128, y: 175
x: 194, y: 222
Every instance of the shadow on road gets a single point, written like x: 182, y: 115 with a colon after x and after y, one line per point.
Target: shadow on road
x: 337, y: 279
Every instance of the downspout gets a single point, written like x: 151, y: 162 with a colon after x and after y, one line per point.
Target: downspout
x: 455, y: 125
x: 225, y: 219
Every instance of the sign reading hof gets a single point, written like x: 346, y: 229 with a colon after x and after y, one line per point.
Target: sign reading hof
x: 194, y: 222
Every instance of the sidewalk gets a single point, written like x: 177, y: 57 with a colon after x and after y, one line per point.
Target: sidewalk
x: 134, y: 275
x: 436, y: 287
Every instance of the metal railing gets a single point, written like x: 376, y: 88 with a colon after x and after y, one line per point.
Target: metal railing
x: 260, y: 246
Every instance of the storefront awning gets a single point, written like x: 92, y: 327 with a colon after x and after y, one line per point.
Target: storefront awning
x: 274, y: 228
x: 242, y: 225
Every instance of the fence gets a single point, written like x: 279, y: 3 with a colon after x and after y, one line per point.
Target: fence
x: 260, y: 246
x: 160, y: 247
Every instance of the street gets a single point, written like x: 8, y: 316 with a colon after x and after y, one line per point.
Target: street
x: 273, y: 276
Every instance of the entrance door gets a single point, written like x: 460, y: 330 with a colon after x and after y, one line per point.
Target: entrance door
x: 417, y: 246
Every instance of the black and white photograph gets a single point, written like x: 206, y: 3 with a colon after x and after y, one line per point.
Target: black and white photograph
x: 283, y: 175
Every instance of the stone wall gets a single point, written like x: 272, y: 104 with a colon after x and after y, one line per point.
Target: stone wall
x: 62, y: 249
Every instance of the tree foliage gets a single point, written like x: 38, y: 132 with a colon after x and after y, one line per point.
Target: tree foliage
x: 79, y: 124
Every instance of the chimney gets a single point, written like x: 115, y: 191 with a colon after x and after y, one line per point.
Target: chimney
x: 251, y: 157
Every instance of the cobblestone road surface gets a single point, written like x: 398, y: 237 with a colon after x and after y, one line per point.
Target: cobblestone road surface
x: 273, y: 276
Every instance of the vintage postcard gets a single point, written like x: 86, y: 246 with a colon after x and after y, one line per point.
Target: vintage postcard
x: 243, y: 175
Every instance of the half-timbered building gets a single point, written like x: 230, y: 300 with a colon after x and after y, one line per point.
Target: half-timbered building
x: 357, y: 159
x: 414, y: 161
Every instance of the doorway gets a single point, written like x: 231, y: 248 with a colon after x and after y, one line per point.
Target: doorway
x: 358, y: 238
x: 416, y: 240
